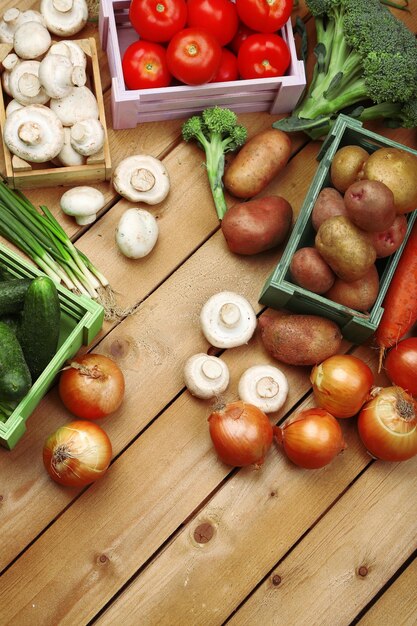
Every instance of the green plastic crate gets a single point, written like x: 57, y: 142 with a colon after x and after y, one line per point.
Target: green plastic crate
x: 81, y: 320
x: 280, y: 293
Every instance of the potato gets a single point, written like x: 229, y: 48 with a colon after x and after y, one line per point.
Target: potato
x: 388, y: 241
x: 347, y: 166
x: 257, y: 163
x: 397, y: 169
x: 370, y: 205
x: 345, y: 247
x: 329, y: 202
x: 359, y: 294
x: 310, y: 271
x: 257, y: 225
x: 299, y: 339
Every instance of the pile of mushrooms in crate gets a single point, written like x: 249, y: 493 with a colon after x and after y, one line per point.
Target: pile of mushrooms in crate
x: 52, y: 114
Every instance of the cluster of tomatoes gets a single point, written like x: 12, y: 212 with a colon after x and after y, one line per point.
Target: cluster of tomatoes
x: 201, y: 41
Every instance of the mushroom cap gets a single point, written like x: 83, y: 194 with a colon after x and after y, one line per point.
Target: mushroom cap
x: 265, y: 386
x: 227, y: 320
x: 82, y: 202
x: 24, y: 83
x: 80, y: 104
x: 13, y: 105
x: 206, y: 376
x: 34, y: 133
x: 141, y: 178
x: 69, y: 156
x: 72, y: 50
x: 64, y: 17
x: 31, y: 40
x: 55, y: 75
x: 87, y: 136
x: 136, y: 233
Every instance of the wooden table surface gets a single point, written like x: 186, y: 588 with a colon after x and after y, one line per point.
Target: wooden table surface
x: 170, y: 535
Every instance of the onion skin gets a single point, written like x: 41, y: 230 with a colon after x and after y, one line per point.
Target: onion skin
x: 77, y: 453
x: 342, y: 384
x: 311, y: 438
x: 387, y: 425
x: 241, y: 434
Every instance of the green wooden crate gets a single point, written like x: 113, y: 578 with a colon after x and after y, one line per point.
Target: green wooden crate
x: 280, y: 293
x: 81, y: 320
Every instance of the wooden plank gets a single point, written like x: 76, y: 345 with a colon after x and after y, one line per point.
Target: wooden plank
x: 347, y: 557
x: 398, y: 604
x: 135, y: 508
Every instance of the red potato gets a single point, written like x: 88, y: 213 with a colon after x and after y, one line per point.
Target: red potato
x: 370, y: 205
x: 329, y: 203
x: 388, y: 241
x: 258, y: 225
x: 310, y: 271
x: 257, y: 163
x: 299, y: 339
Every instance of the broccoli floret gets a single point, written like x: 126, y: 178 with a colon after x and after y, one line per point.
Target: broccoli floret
x: 364, y: 53
x: 216, y: 131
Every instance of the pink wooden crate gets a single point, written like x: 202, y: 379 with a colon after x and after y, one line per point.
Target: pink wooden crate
x: 129, y: 107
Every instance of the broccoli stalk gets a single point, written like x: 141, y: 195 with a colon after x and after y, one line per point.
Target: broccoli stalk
x: 363, y: 53
x: 216, y: 131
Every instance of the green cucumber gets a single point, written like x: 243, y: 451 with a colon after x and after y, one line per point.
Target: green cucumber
x: 12, y: 294
x: 12, y: 320
x: 39, y: 327
x: 15, y: 378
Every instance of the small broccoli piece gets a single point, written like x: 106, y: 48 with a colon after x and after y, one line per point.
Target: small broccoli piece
x: 216, y: 131
x: 364, y: 53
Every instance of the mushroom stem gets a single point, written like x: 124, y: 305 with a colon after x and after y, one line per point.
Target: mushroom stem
x: 63, y: 6
x: 11, y: 15
x: 79, y: 76
x: 230, y: 314
x: 29, y: 85
x: 142, y: 179
x: 211, y: 369
x: 30, y: 133
x: 267, y: 387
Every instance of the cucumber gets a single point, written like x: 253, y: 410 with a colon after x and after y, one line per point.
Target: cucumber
x: 39, y: 327
x: 15, y: 378
x: 11, y: 320
x: 12, y: 294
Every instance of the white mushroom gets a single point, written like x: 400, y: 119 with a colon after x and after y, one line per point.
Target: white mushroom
x: 9, y: 63
x: 13, y: 106
x: 265, y: 386
x: 68, y: 156
x: 31, y: 40
x: 80, y: 104
x: 13, y: 18
x: 83, y: 203
x: 136, y: 233
x: 227, y: 320
x: 34, y: 133
x: 24, y: 84
x: 71, y: 50
x: 8, y: 25
x: 87, y: 137
x: 206, y: 376
x: 141, y: 178
x: 58, y: 76
x: 64, y: 17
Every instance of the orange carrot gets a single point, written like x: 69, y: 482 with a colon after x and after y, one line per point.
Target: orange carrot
x: 400, y: 302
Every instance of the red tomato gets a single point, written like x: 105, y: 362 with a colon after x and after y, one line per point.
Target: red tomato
x: 158, y: 20
x: 193, y: 56
x: 92, y: 386
x: 242, y: 33
x: 219, y: 17
x: 264, y: 16
x: 144, y: 65
x: 262, y: 56
x: 401, y: 365
x: 228, y: 68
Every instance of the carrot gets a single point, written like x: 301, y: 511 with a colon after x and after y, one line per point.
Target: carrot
x: 400, y: 302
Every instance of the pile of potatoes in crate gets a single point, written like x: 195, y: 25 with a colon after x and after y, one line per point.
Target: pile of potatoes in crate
x: 52, y: 114
x: 360, y: 219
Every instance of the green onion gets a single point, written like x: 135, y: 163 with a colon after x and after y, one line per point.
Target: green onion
x: 42, y: 238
